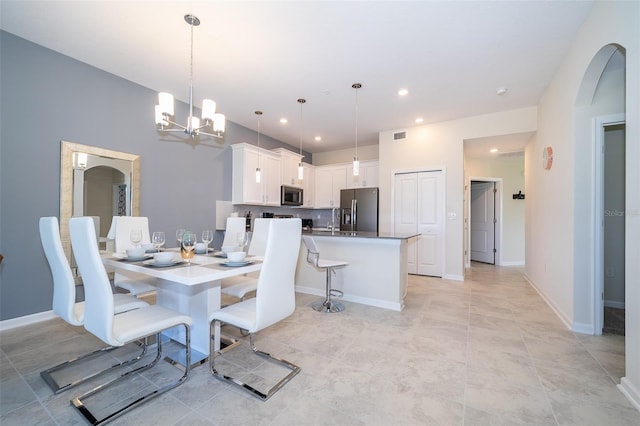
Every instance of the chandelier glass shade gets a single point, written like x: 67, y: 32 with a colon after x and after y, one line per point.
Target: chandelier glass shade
x: 212, y: 123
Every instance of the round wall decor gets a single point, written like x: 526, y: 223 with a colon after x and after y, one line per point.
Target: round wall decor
x: 547, y: 157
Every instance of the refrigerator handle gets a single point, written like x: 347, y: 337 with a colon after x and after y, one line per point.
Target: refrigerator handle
x: 354, y: 214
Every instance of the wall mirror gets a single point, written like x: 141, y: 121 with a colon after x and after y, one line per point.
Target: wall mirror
x: 96, y: 182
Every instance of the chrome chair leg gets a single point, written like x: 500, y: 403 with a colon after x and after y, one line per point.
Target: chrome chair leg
x: 248, y: 388
x: 328, y: 305
x: 79, y: 404
x: 47, y: 375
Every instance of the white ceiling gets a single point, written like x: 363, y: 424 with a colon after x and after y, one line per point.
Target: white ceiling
x: 450, y: 55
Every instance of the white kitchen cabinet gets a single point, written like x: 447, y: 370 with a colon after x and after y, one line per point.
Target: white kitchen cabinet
x: 289, y: 167
x: 308, y: 185
x: 245, y: 189
x: 329, y: 181
x: 368, y: 177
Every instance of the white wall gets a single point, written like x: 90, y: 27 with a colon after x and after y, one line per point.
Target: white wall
x: 559, y: 208
x: 511, y: 170
x: 440, y: 146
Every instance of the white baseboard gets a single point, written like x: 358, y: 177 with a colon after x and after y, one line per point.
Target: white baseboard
x: 27, y: 320
x: 356, y: 299
x: 630, y: 391
x: 513, y: 263
x: 582, y: 328
x: 453, y: 277
x: 557, y: 311
x: 613, y: 304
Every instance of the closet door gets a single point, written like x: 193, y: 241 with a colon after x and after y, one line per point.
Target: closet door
x: 406, y: 214
x: 418, y: 208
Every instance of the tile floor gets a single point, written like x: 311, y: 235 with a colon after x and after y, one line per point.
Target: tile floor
x: 487, y: 351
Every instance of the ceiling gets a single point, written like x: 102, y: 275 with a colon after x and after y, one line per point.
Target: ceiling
x: 451, y: 56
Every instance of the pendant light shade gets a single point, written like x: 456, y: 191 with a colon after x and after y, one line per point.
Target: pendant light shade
x: 356, y: 161
x: 300, y: 167
x: 258, y: 173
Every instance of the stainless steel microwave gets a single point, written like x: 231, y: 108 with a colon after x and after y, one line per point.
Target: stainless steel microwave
x: 290, y: 196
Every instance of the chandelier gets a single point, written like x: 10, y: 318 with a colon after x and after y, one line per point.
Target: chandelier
x: 301, y: 101
x: 213, y: 123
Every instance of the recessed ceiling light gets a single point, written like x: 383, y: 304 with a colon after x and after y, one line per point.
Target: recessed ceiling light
x: 501, y: 90
x: 403, y: 92
x: 318, y: 138
x: 284, y: 120
x: 419, y: 120
x: 493, y: 150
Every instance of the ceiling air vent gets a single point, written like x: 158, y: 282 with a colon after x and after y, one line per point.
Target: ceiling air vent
x: 399, y: 136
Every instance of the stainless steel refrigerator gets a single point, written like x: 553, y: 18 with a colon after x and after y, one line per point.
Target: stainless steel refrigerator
x: 359, y: 209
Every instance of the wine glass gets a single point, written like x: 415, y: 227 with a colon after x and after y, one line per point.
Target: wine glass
x: 158, y: 240
x: 179, y: 233
x: 207, y: 237
x: 188, y: 243
x: 242, y: 238
x: 135, y: 236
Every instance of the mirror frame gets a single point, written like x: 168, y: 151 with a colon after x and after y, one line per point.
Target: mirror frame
x: 66, y: 183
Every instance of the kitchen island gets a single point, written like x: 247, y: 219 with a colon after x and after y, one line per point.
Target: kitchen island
x: 376, y: 274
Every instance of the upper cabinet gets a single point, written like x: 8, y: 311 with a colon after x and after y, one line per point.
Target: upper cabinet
x: 245, y: 189
x: 368, y: 176
x: 308, y: 185
x: 329, y: 181
x: 289, y: 167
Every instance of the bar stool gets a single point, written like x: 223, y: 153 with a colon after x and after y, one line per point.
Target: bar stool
x: 313, y: 258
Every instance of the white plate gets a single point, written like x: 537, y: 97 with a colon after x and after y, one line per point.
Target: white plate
x: 243, y: 263
x: 132, y: 259
x: 220, y: 254
x: 152, y: 262
x: 209, y: 250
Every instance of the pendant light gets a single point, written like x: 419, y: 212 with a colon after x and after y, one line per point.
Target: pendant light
x: 356, y: 162
x: 300, y: 167
x: 258, y: 174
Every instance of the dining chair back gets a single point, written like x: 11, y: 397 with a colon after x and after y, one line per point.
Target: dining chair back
x: 234, y: 226
x: 274, y: 301
x: 240, y: 286
x: 121, y: 329
x: 64, y: 301
x: 327, y: 305
x: 120, y: 232
x: 124, y: 225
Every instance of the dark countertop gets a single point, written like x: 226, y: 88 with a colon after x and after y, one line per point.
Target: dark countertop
x: 360, y: 234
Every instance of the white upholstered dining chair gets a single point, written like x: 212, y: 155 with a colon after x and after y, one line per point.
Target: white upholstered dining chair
x: 65, y: 306
x: 241, y: 285
x: 234, y: 226
x: 121, y: 329
x: 274, y: 301
x: 135, y: 284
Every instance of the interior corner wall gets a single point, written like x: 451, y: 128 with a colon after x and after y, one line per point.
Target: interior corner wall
x: 368, y: 152
x: 439, y: 146
x: 552, y: 252
x: 511, y: 170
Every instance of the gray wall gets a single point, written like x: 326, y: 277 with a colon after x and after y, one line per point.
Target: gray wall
x: 48, y: 97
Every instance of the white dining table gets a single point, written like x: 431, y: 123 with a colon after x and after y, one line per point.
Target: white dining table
x: 193, y: 290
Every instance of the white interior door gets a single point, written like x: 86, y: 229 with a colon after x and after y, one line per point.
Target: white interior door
x: 430, y: 227
x: 418, y: 202
x: 406, y: 214
x: 483, y: 222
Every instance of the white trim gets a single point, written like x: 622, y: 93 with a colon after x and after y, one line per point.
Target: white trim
x: 453, y: 277
x: 549, y: 302
x: 613, y: 304
x: 597, y: 201
x: 513, y: 263
x: 582, y: 328
x: 27, y: 320
x: 630, y: 391
x: 355, y: 299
